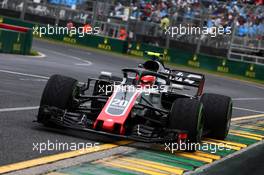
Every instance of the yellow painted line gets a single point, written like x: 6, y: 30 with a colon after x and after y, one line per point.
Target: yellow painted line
x: 106, y: 159
x: 250, y: 127
x: 246, y: 133
x: 133, y: 168
x: 260, y: 122
x: 228, y: 142
x: 207, y: 155
x: 223, y: 145
x: 117, y: 160
x: 57, y: 157
x: 247, y: 117
x: 246, y: 136
x: 155, y: 165
x: 192, y: 156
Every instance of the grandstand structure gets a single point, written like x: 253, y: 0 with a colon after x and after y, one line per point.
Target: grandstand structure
x: 146, y: 20
x: 247, y: 43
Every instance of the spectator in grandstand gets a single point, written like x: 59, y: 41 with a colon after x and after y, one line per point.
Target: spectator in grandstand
x: 156, y: 15
x: 87, y: 28
x: 135, y: 13
x: 147, y: 11
x: 165, y: 22
x: 122, y: 34
x: 259, y: 2
x: 249, y: 21
x: 119, y: 10
x: 70, y: 25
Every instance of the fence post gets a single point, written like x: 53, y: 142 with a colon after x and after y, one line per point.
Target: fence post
x: 94, y: 13
x: 232, y: 37
x: 168, y: 36
x: 167, y: 45
x: 202, y: 19
x: 57, y: 18
x: 22, y: 14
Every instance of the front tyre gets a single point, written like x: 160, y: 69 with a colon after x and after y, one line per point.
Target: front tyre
x: 187, y: 114
x: 59, y: 92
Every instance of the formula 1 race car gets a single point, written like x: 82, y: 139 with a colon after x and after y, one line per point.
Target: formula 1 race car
x: 151, y: 103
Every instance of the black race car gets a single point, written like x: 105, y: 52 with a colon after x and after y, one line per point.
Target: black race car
x: 151, y: 103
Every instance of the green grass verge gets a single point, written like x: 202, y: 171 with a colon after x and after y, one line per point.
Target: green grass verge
x: 187, y: 68
x: 34, y: 53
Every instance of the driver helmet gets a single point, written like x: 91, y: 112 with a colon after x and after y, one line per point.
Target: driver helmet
x: 147, y: 80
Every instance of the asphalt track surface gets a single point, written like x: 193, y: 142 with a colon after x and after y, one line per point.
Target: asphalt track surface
x: 23, y: 79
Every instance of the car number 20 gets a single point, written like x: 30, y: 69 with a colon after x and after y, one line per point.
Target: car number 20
x: 121, y: 103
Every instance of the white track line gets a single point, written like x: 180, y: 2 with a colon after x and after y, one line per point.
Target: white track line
x: 33, y: 79
x: 40, y: 55
x: 252, y: 85
x: 247, y: 99
x: 250, y: 110
x: 19, y: 109
x: 82, y: 64
x: 87, y: 63
x: 23, y: 74
x: 28, y: 75
x: 80, y: 51
x: 247, y: 117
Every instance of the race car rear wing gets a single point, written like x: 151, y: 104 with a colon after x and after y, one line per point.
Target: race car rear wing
x: 176, y: 77
x: 186, y: 78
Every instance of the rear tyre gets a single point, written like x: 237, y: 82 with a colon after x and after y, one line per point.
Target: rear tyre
x: 59, y: 92
x: 218, y: 112
x: 187, y: 114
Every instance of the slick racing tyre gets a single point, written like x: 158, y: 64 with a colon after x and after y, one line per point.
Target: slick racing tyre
x: 59, y: 92
x: 187, y: 114
x: 217, y: 112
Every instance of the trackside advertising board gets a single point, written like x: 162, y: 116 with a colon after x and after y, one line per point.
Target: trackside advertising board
x: 15, y: 39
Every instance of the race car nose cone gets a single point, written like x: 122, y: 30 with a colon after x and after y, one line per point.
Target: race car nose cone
x: 108, y: 125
